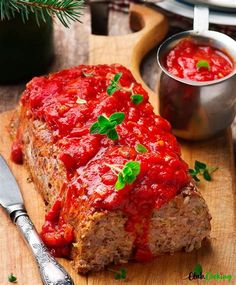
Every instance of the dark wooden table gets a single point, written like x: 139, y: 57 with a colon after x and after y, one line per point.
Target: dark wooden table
x: 71, y: 48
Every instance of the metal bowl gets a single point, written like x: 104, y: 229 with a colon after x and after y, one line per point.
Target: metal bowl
x: 198, y: 110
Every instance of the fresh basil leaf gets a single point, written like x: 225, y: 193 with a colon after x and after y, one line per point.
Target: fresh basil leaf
x: 137, y: 99
x: 140, y: 148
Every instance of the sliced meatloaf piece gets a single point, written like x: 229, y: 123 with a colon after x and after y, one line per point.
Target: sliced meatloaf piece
x: 89, y: 220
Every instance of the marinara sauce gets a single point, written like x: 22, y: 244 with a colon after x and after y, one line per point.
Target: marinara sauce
x: 197, y: 62
x: 69, y: 102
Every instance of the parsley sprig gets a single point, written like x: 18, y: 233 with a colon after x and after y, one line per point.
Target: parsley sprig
x: 125, y: 175
x: 202, y: 169
x: 12, y: 278
x: 106, y: 126
x: 119, y: 274
x: 115, y: 86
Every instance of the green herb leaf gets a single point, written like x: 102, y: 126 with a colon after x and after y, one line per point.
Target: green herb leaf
x: 200, y: 168
x: 106, y: 126
x: 194, y: 174
x: 140, y: 148
x: 197, y: 270
x: 113, y: 135
x: 81, y: 101
x: 12, y: 278
x: 113, y: 87
x: 199, y: 165
x: 203, y: 64
x: 123, y: 273
x: 117, y: 117
x: 135, y: 166
x: 137, y: 99
x: 128, y: 174
x: 120, y: 274
x: 120, y: 183
x: 207, y: 175
x: 95, y: 128
x: 117, y: 76
x: 103, y: 121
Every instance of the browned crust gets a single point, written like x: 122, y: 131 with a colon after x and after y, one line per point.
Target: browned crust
x: 101, y: 239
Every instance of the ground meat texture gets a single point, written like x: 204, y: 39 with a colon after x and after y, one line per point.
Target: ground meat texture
x: 87, y: 219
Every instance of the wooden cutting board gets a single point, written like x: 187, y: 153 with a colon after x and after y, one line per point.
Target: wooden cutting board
x: 217, y: 255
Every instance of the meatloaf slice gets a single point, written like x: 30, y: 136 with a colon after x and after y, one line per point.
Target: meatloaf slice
x: 88, y: 219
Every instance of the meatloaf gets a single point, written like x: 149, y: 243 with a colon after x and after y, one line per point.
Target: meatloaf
x: 108, y: 168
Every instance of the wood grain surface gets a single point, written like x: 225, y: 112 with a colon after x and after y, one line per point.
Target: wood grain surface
x: 218, y: 254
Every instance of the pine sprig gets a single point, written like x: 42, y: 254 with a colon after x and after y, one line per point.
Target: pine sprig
x: 65, y: 10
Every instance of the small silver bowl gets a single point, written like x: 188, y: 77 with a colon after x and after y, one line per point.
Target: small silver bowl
x: 198, y: 110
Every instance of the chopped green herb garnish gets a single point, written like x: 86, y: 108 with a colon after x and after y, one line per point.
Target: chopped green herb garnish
x: 119, y: 274
x: 197, y: 270
x: 202, y: 169
x: 140, y: 148
x: 85, y: 74
x: 203, y: 64
x: 12, y: 278
x: 81, y: 101
x: 125, y: 175
x: 106, y: 126
x: 115, y: 86
x: 137, y: 98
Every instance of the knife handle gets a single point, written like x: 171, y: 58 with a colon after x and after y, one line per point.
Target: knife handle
x: 52, y: 273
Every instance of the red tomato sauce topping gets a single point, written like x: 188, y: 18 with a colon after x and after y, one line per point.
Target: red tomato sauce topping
x: 186, y: 58
x: 86, y: 157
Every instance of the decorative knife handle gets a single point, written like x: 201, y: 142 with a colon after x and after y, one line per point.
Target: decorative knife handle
x: 52, y: 273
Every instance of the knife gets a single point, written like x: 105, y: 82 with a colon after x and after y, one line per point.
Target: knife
x: 52, y: 273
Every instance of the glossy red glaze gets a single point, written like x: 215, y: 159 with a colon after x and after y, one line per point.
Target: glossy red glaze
x: 16, y: 152
x: 91, y: 183
x: 182, y: 61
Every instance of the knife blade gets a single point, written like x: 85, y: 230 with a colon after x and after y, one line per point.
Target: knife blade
x: 52, y: 273
x: 10, y: 200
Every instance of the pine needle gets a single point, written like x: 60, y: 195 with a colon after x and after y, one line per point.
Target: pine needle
x: 65, y: 10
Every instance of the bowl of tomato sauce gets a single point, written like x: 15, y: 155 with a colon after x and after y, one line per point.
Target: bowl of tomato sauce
x: 198, y: 83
